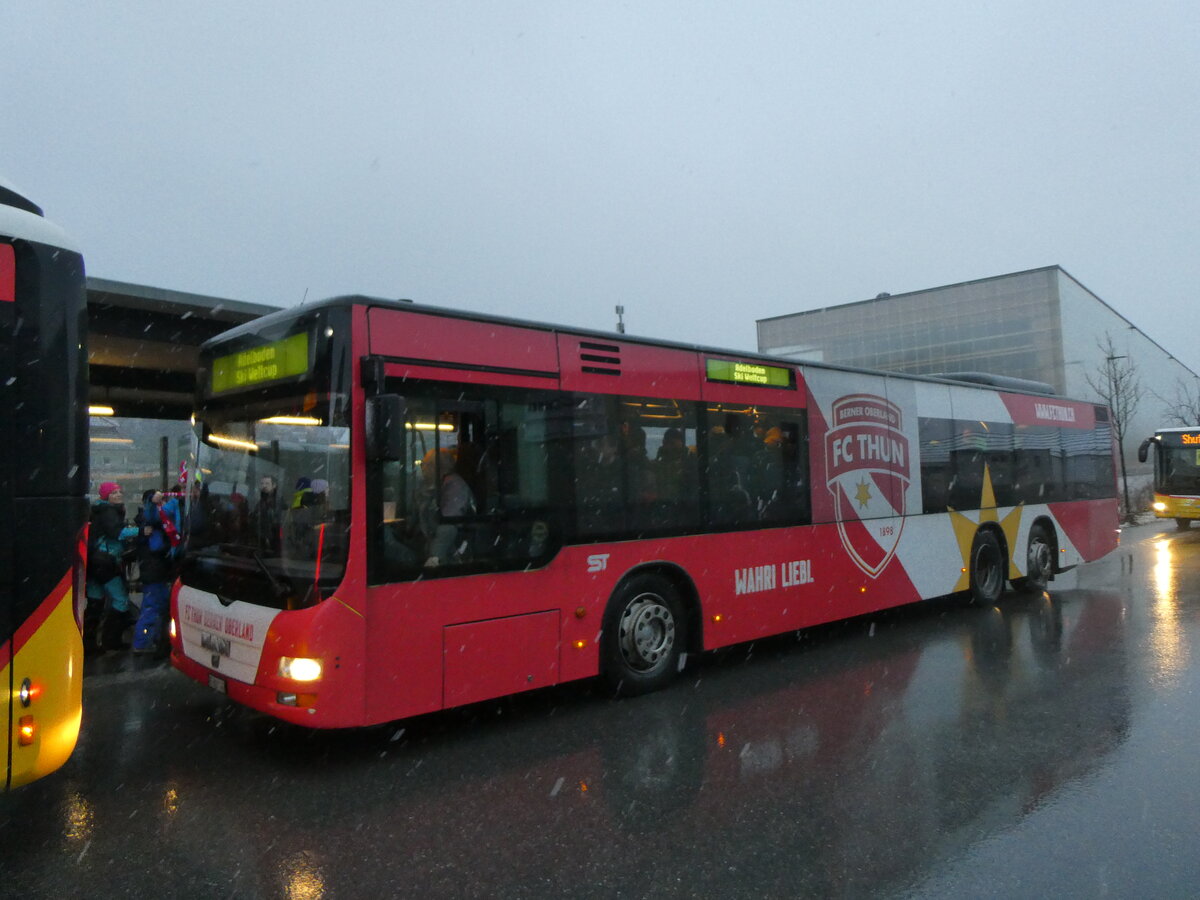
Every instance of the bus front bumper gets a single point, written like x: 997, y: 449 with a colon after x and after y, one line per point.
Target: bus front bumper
x: 299, y: 709
x: 1167, y: 506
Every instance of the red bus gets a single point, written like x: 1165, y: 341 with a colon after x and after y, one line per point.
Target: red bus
x: 399, y: 509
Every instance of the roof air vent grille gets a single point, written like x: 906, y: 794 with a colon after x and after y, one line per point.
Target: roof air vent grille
x: 600, y: 359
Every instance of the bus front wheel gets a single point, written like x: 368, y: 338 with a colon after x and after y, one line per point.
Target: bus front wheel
x: 987, y: 568
x: 645, y: 631
x: 1183, y: 524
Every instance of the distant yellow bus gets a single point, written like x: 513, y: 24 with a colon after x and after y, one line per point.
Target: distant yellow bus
x: 43, y: 485
x: 1176, y: 473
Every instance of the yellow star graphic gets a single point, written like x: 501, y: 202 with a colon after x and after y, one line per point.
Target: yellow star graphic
x: 964, y: 530
x: 863, y: 494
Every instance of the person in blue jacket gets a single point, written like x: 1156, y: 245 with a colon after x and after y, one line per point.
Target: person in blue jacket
x: 106, y: 613
x: 157, y: 543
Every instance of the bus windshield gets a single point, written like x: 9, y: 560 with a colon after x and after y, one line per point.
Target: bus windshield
x: 269, y: 503
x: 1180, y: 470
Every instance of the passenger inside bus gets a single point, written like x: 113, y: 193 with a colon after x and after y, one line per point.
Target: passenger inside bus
x: 672, y: 468
x: 731, y: 470
x: 599, y: 483
x: 455, y: 499
x: 267, y: 517
x: 305, y: 515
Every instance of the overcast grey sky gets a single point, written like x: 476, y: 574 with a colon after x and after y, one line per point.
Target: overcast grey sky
x: 703, y: 164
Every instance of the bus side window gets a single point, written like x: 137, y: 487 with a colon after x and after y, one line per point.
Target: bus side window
x: 1002, y: 463
x: 459, y: 488
x: 481, y: 486
x: 660, y: 456
x: 401, y: 499
x: 731, y: 468
x: 533, y: 476
x: 397, y: 549
x: 787, y: 443
x: 1034, y: 446
x: 599, y: 474
x: 937, y: 473
x: 756, y: 468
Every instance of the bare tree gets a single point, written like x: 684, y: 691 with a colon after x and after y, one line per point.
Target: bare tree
x: 1183, y: 408
x: 1117, y: 384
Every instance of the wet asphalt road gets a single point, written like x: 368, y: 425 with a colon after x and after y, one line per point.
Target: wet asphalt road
x: 1045, y: 748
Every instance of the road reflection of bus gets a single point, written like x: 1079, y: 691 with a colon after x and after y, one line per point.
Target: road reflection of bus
x: 820, y: 769
x: 873, y: 771
x: 43, y: 479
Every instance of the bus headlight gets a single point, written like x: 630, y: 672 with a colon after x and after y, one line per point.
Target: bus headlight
x: 299, y: 668
x: 1160, y: 506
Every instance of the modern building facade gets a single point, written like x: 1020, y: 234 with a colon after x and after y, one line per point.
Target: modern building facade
x: 1042, y: 325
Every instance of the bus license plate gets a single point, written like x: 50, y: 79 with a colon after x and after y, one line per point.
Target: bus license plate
x: 217, y: 684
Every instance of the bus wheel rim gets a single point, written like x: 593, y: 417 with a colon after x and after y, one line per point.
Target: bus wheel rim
x: 1039, y: 559
x: 646, y: 633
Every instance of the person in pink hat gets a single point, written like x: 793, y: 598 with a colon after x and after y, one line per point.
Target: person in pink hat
x: 107, y: 611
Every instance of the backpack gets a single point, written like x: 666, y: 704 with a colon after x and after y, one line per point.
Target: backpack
x: 102, y: 564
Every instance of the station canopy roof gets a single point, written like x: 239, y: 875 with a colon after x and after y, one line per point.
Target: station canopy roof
x: 143, y: 344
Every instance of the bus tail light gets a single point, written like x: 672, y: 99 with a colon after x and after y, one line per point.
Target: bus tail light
x: 299, y: 668
x: 26, y: 731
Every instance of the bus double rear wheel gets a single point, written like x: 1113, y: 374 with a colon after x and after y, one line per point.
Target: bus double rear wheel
x: 987, y: 568
x: 1039, y: 561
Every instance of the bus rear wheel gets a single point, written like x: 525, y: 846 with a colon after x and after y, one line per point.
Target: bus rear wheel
x: 1039, y: 561
x: 645, y: 631
x: 987, y: 568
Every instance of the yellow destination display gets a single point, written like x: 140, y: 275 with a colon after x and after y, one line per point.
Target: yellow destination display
x: 270, y: 362
x: 748, y: 373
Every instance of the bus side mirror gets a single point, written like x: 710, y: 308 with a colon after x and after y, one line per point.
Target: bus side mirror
x: 1144, y: 450
x: 385, y: 427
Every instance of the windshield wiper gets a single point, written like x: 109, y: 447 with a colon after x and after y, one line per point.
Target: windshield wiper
x: 277, y: 587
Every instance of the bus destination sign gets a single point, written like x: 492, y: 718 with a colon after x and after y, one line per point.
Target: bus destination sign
x: 748, y: 373
x: 258, y: 365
